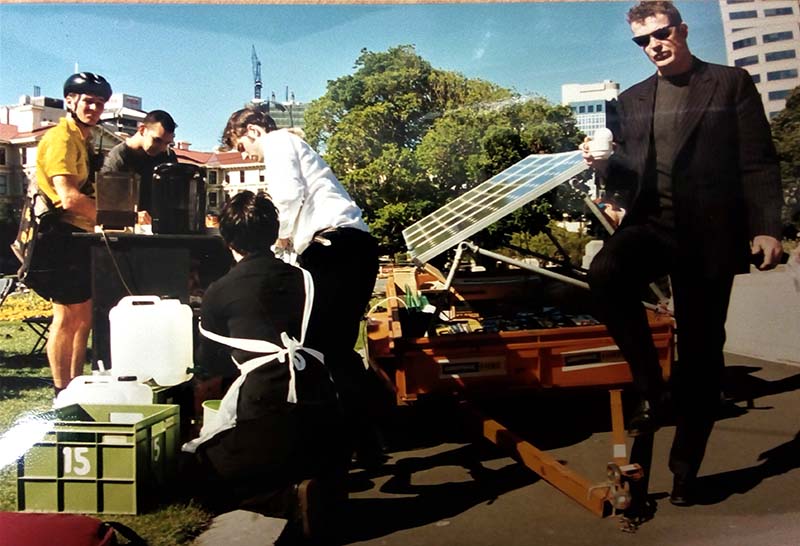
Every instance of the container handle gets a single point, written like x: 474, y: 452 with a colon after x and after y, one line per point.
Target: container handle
x: 139, y: 300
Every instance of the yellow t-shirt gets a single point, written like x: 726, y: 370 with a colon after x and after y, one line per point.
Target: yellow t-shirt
x: 62, y: 151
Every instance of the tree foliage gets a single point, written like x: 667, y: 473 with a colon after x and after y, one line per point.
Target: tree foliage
x: 786, y: 134
x: 405, y: 138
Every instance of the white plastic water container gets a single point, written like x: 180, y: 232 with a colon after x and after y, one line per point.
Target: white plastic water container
x: 104, y: 389
x: 151, y: 338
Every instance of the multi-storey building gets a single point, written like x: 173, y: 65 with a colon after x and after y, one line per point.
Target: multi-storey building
x: 763, y: 37
x: 226, y: 174
x: 289, y: 113
x: 123, y: 113
x: 589, y: 102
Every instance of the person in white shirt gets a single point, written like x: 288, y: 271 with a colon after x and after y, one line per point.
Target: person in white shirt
x: 322, y: 224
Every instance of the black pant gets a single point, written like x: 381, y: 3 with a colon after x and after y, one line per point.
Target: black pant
x: 632, y: 258
x: 258, y: 460
x: 344, y: 274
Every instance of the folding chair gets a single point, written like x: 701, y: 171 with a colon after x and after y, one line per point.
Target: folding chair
x: 7, y: 285
x: 41, y: 327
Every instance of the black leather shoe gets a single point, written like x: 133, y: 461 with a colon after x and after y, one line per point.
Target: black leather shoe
x: 644, y: 419
x: 682, y: 492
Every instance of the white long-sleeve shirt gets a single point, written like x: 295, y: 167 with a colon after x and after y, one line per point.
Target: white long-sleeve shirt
x: 307, y: 194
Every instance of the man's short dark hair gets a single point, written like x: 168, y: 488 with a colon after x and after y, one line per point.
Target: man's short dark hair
x: 249, y: 223
x: 643, y: 10
x: 162, y: 117
x: 239, y: 120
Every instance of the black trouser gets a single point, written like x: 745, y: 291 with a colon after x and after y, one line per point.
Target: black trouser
x: 344, y: 274
x: 632, y: 258
x: 258, y: 460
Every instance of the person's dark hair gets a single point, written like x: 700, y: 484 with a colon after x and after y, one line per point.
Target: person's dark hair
x: 643, y: 10
x: 249, y: 222
x: 239, y: 120
x: 162, y: 117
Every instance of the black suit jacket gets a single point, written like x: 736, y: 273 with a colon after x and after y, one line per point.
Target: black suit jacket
x: 726, y: 179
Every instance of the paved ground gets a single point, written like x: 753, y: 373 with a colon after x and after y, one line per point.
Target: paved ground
x: 443, y: 487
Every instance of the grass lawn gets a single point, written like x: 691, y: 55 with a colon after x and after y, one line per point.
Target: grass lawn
x: 25, y: 387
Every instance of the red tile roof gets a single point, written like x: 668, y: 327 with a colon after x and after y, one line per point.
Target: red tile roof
x: 230, y: 158
x: 201, y: 158
x: 214, y: 159
x: 7, y: 132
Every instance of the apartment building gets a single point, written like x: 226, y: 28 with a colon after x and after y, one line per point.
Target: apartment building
x: 763, y: 37
x: 589, y: 101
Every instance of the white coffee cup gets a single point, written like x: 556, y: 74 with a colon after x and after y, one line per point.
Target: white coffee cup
x: 601, y: 147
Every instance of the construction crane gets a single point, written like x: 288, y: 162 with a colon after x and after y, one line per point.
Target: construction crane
x: 257, y: 100
x: 256, y: 75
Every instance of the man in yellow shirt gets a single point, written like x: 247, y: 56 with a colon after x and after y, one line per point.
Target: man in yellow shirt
x: 62, y: 176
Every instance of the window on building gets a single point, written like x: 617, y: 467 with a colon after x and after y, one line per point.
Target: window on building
x: 739, y: 1
x: 780, y: 55
x: 778, y: 36
x: 212, y: 177
x: 3, y: 184
x: 590, y: 108
x: 772, y: 12
x: 599, y: 107
x: 746, y: 61
x: 581, y: 109
x: 750, y: 14
x: 261, y: 178
x: 2, y: 156
x: 782, y: 75
x: 227, y: 179
x: 241, y: 177
x: 779, y: 95
x: 213, y: 198
x: 756, y: 78
x: 746, y: 42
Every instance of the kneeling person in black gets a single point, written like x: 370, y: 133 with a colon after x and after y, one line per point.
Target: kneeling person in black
x: 280, y: 422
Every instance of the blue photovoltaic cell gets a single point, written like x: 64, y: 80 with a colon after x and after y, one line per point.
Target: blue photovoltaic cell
x: 486, y: 203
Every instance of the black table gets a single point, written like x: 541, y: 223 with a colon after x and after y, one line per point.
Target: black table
x: 173, y: 266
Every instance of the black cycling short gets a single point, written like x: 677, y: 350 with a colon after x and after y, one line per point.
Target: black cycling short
x: 67, y: 277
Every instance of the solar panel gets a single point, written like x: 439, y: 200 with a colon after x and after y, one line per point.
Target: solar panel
x: 490, y: 201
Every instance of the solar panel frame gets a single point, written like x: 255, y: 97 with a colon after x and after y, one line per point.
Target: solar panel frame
x: 490, y: 201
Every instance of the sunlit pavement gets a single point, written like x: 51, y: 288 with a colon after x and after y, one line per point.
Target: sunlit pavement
x: 469, y: 493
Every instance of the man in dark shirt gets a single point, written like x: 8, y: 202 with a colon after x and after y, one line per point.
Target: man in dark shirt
x: 147, y: 148
x: 695, y: 188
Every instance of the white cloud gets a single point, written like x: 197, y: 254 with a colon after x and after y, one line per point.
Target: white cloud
x: 480, y: 51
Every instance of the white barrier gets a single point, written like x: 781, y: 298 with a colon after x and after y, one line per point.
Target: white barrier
x: 764, y: 316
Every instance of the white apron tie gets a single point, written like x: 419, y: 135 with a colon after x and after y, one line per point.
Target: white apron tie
x: 289, y: 354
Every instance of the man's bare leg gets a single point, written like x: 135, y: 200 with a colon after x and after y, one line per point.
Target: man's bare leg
x: 66, y: 344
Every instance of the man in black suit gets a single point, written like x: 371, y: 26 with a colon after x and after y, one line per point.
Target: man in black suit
x: 695, y: 188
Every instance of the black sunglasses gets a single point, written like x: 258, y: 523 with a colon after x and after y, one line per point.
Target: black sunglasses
x: 659, y: 34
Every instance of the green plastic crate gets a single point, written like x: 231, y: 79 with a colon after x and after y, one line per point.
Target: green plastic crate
x: 100, y: 459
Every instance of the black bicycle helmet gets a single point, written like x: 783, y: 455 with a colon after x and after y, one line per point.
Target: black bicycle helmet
x: 86, y: 83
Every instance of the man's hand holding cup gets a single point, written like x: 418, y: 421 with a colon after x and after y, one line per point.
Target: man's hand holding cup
x: 598, y: 148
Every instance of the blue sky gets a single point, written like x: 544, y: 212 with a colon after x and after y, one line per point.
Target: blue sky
x: 194, y: 60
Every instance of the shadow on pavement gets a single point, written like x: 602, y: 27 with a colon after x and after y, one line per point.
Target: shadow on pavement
x: 742, y: 386
x: 549, y: 420
x: 419, y: 504
x: 778, y: 460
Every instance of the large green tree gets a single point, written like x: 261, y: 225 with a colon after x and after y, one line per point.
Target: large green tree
x: 405, y: 137
x: 786, y: 134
